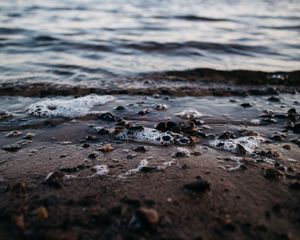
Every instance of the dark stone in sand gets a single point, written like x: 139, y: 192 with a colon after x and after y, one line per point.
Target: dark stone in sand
x: 274, y: 99
x: 141, y: 149
x: 147, y: 169
x: 296, y: 128
x: 147, y: 215
x: 92, y: 155
x: 11, y: 147
x: 271, y: 173
x: 278, y: 137
x: 54, y: 180
x: 85, y: 145
x: 120, y: 108
x: 144, y: 112
x: 292, y: 114
x: 107, y: 117
x: 287, y: 147
x: 103, y: 131
x: 161, y: 126
x: 246, y: 105
x: 199, y: 185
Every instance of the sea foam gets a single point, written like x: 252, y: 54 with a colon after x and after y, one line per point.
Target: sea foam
x: 71, y: 108
x: 152, y: 136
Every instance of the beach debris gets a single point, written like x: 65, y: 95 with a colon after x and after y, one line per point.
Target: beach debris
x: 243, y: 145
x: 69, y: 108
x: 4, y: 114
x: 106, y: 148
x: 152, y: 136
x: 182, y: 152
x: 160, y: 106
x: 100, y: 170
x: 197, y: 186
x: 147, y: 215
x: 14, y: 133
x: 189, y: 113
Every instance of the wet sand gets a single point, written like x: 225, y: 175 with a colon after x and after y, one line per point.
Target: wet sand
x: 71, y: 179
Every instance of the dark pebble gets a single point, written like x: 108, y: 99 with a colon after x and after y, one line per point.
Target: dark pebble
x: 296, y: 128
x: 85, y: 145
x: 141, y: 149
x: 120, y: 108
x: 199, y: 185
x: 246, y: 105
x: 107, y: 117
x: 103, y: 131
x: 11, y: 147
x: 274, y: 99
x: 54, y: 180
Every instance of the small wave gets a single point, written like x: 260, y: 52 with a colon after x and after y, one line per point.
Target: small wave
x: 194, y: 18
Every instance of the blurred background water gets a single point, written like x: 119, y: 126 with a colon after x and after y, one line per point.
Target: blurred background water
x: 87, y: 40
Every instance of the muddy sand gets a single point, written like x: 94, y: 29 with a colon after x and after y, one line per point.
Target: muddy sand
x: 195, y: 161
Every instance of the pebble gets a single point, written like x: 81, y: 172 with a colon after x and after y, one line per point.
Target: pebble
x: 287, y: 147
x: 11, y: 147
x: 106, y: 148
x: 199, y: 185
x: 42, y: 213
x: 148, y: 215
x: 120, y: 108
x: 246, y: 105
x: 107, y: 117
x: 181, y: 153
x: 29, y: 136
x: 14, y: 133
x: 141, y: 149
x: 274, y: 99
x: 54, y: 179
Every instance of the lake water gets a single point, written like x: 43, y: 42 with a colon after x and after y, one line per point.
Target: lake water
x: 54, y: 40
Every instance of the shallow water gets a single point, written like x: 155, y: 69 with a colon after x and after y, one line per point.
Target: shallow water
x: 91, y: 40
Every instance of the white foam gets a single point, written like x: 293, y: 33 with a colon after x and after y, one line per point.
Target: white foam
x: 189, y: 113
x: 249, y: 143
x: 71, y: 108
x: 152, y: 136
x: 142, y: 164
x: 100, y: 170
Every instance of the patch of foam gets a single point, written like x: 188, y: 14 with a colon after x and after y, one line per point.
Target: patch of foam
x: 189, y: 113
x: 142, y: 164
x: 153, y: 136
x: 248, y: 143
x: 100, y: 170
x: 71, y: 108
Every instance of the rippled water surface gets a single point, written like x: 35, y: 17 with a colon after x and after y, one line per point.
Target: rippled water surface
x: 87, y: 40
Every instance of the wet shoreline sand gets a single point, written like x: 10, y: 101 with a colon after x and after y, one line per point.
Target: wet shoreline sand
x: 55, y: 185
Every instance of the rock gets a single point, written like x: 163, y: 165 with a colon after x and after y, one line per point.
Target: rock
x: 106, y: 148
x: 103, y: 131
x: 107, y: 117
x: 182, y: 152
x: 160, y: 106
x: 287, y: 147
x: 42, y: 213
x: 148, y: 215
x: 14, y: 133
x: 120, y: 108
x: 5, y: 115
x: 54, y: 179
x: 197, y: 186
x: 246, y: 105
x: 144, y: 112
x: 85, y: 145
x: 29, y: 136
x: 20, y: 222
x: 93, y: 155
x: 271, y: 173
x: 274, y: 99
x: 141, y: 149
x: 296, y: 128
x: 11, y: 147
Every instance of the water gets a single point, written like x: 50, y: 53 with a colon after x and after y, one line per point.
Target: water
x: 78, y: 41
